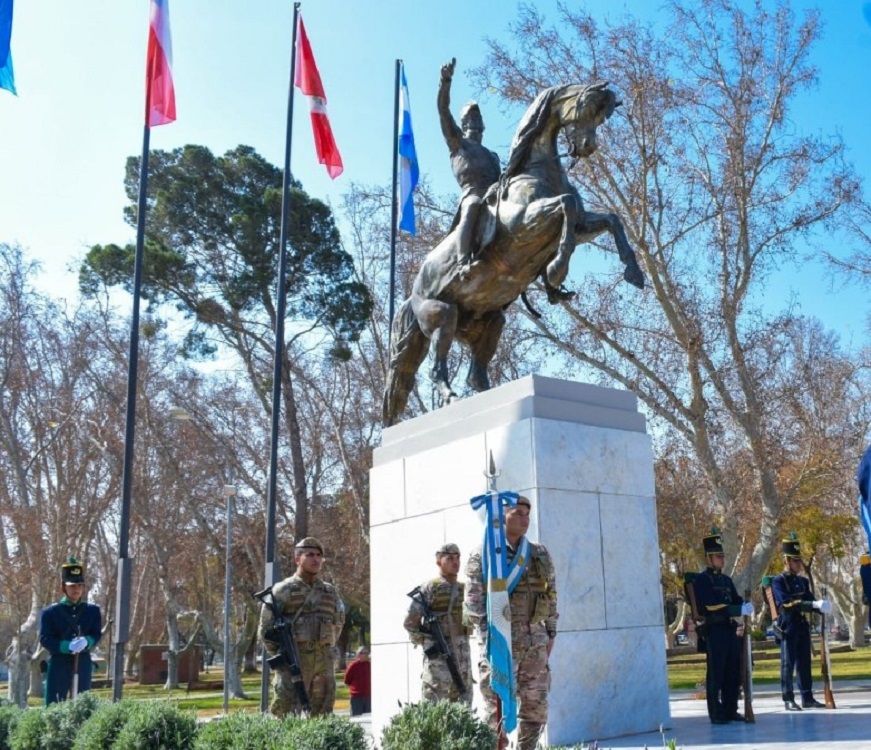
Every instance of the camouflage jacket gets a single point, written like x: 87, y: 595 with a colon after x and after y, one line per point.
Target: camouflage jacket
x: 445, y: 599
x: 316, y: 611
x: 533, y: 601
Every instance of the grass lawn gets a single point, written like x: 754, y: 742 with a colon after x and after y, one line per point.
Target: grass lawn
x: 688, y: 672
x: 208, y: 696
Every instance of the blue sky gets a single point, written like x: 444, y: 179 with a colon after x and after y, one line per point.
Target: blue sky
x: 80, y: 77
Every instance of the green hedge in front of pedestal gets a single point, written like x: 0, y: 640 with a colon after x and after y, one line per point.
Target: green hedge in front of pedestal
x: 437, y: 726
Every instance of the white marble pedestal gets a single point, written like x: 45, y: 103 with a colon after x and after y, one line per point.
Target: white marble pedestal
x: 582, y: 454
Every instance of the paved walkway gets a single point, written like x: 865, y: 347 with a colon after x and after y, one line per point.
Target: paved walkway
x: 846, y: 728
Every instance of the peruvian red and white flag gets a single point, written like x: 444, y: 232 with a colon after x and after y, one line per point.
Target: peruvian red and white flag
x: 308, y: 80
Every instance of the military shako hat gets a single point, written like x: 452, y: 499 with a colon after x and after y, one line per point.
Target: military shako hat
x: 448, y: 549
x: 308, y: 543
x: 72, y: 571
x: 713, y: 542
x: 791, y: 546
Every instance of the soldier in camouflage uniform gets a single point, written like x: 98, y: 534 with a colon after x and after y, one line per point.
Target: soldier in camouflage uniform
x: 533, y: 627
x: 445, y: 598
x: 317, y: 614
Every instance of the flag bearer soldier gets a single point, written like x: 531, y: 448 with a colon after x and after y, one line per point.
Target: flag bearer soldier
x: 444, y: 595
x: 317, y: 614
x: 69, y: 630
x: 794, y: 600
x: 718, y: 602
x: 533, y: 626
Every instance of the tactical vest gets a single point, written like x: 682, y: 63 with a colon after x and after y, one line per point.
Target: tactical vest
x: 313, y: 609
x: 439, y: 598
x: 530, y: 600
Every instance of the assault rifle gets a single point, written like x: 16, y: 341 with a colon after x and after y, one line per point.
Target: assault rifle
x: 440, y: 645
x: 281, y: 632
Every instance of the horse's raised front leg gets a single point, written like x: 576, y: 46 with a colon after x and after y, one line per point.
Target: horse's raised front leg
x: 558, y: 268
x: 438, y: 321
x: 593, y: 224
x: 482, y: 336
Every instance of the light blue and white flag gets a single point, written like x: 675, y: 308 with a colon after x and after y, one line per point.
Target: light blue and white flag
x: 501, y: 579
x: 409, y: 172
x: 7, y: 75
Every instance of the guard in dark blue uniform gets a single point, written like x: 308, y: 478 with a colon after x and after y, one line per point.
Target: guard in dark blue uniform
x: 794, y: 600
x: 718, y: 602
x: 69, y: 630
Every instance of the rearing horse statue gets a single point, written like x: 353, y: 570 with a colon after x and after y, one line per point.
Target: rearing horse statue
x: 537, y: 218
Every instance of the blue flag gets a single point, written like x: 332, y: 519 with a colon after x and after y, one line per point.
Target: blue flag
x: 7, y: 76
x: 409, y: 173
x: 501, y: 580
x: 863, y: 477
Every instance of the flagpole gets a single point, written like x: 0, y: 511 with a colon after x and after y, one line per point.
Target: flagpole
x: 394, y: 213
x: 272, y: 571
x: 124, y: 569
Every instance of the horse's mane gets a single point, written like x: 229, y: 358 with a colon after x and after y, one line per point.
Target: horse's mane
x: 530, y: 126
x: 536, y: 117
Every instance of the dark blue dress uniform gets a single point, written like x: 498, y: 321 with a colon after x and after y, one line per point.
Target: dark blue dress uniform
x: 718, y: 602
x: 58, y: 624
x: 794, y: 600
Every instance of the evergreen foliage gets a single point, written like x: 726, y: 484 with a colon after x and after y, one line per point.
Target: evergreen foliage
x: 437, y: 726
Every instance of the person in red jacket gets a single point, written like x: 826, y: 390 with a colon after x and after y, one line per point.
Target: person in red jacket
x: 358, y: 677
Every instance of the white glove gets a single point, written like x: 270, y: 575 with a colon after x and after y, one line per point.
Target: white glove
x: 823, y: 605
x: 77, y: 645
x: 747, y: 609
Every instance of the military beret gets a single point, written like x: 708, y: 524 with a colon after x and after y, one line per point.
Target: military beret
x: 309, y: 543
x: 523, y: 500
x: 72, y: 571
x: 448, y: 549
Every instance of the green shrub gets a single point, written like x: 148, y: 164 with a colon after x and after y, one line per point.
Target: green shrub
x: 242, y: 732
x: 326, y: 733
x: 437, y: 726
x: 54, y: 727
x: 101, y: 729
x: 157, y: 725
x: 29, y: 730
x: 9, y: 716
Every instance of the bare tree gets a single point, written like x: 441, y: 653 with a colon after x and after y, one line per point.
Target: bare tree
x: 718, y: 189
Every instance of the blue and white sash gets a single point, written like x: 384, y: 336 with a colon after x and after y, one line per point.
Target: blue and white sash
x: 501, y: 579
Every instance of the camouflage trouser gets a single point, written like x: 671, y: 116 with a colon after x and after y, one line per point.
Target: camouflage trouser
x: 532, y: 681
x: 319, y: 679
x: 436, y: 681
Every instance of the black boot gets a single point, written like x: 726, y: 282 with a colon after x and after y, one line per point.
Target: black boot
x: 791, y: 706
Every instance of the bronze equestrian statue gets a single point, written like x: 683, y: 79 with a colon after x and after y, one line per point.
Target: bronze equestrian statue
x: 528, y: 227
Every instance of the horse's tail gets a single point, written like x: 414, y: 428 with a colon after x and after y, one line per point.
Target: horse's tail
x: 408, y: 349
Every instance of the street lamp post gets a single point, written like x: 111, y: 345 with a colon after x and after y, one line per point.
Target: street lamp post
x: 229, y: 492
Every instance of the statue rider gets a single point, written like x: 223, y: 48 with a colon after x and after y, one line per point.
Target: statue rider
x: 475, y: 167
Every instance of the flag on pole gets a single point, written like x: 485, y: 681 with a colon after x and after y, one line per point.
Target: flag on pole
x: 308, y: 80
x: 7, y: 75
x: 501, y: 579
x: 409, y: 172
x: 160, y: 92
x: 863, y: 477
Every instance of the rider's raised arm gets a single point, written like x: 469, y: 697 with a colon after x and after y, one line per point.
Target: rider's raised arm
x: 450, y: 129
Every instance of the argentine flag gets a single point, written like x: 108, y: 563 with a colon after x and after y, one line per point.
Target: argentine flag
x: 501, y: 580
x: 7, y: 75
x: 408, y: 169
